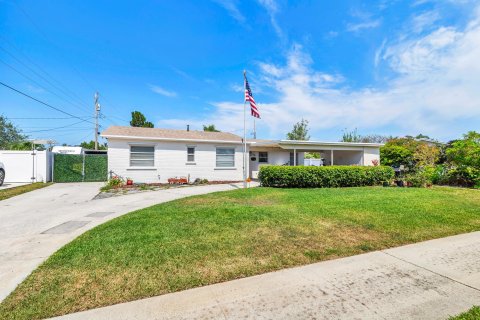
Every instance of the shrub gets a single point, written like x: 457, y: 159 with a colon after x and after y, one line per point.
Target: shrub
x: 323, y: 177
x: 419, y: 179
x: 436, y: 174
x: 114, y: 182
x: 463, y: 176
x: 393, y: 155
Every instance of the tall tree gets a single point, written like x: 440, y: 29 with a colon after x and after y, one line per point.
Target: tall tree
x: 210, y: 128
x: 354, y: 136
x: 139, y: 120
x: 299, y: 131
x: 9, y: 133
x: 91, y: 145
x: 466, y: 151
x: 351, y: 136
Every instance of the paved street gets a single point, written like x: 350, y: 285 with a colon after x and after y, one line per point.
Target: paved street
x: 428, y: 280
x: 36, y: 224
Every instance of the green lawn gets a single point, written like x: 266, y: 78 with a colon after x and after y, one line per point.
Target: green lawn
x: 15, y: 191
x: 222, y: 236
x: 472, y: 314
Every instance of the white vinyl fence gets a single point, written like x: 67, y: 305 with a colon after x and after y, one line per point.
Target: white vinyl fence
x: 313, y: 162
x: 26, y: 166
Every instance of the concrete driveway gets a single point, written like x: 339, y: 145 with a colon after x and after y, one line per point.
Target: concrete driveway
x: 429, y: 280
x: 36, y: 224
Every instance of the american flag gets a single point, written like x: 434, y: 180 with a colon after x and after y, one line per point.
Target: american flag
x: 249, y: 97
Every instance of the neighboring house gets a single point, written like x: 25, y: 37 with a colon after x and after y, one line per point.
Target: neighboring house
x: 155, y: 155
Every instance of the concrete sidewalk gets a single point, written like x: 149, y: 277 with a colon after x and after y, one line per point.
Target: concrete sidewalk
x: 428, y: 280
x: 36, y: 224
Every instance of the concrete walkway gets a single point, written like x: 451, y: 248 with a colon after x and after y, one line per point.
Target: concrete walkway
x: 36, y: 224
x: 428, y: 280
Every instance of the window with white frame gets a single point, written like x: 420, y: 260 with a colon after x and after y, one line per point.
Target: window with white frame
x: 142, y: 156
x: 225, y: 157
x: 263, y: 157
x: 190, y: 154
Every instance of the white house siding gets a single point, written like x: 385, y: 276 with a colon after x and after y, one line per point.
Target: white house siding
x: 20, y: 166
x: 171, y: 161
x: 369, y: 155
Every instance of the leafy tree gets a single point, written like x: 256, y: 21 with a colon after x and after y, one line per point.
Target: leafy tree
x: 25, y: 145
x: 299, y: 131
x: 465, y: 152
x: 9, y: 133
x: 91, y: 145
x: 312, y: 155
x: 210, y: 128
x: 375, y: 138
x: 351, y: 136
x: 395, y: 155
x: 426, y: 155
x: 139, y: 120
x: 411, y: 152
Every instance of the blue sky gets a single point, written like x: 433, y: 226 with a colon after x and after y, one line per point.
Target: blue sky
x: 386, y: 67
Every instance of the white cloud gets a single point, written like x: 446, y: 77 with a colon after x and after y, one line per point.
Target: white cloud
x: 232, y: 9
x: 425, y: 20
x: 237, y: 88
x: 272, y: 9
x: 162, y: 91
x: 362, y: 20
x: 424, y: 54
x: 433, y: 90
x: 369, y: 24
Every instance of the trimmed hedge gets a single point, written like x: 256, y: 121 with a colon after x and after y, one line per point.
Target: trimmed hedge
x: 96, y: 167
x: 69, y: 168
x: 323, y: 177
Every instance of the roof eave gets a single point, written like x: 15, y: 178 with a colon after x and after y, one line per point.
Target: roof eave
x: 350, y: 144
x: 169, y: 139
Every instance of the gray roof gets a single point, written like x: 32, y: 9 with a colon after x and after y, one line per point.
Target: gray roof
x: 168, y: 134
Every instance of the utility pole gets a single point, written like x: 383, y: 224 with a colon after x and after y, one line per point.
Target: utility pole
x: 97, y: 112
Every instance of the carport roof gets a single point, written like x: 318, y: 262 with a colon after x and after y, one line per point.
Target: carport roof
x: 291, y: 144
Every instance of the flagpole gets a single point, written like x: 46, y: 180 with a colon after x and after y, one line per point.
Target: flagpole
x: 244, y: 133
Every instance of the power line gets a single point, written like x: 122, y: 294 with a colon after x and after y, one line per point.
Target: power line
x: 44, y: 103
x: 47, y: 118
x: 38, y: 84
x: 43, y: 70
x: 63, y: 91
x: 44, y: 36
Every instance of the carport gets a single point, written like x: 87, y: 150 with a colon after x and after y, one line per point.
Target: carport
x: 292, y: 153
x: 334, y: 153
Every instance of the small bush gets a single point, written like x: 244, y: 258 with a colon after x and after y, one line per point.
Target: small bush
x: 114, y: 182
x: 419, y: 179
x: 323, y: 177
x: 462, y: 176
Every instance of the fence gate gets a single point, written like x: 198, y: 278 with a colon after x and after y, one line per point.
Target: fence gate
x: 80, y: 167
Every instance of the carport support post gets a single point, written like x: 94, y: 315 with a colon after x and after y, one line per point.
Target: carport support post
x: 331, y: 157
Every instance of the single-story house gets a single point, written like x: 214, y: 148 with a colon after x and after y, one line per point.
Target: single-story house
x: 154, y: 155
